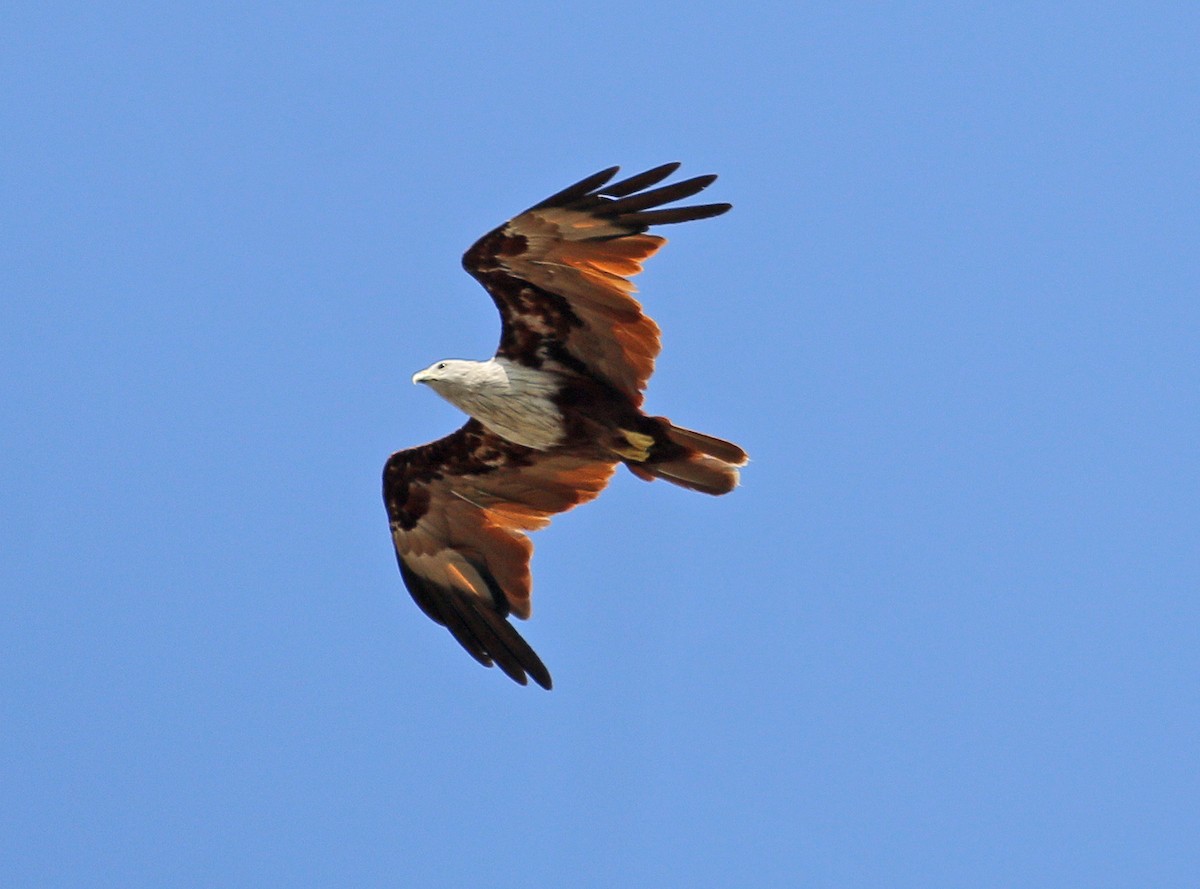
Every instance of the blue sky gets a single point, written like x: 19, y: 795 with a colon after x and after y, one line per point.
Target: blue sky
x: 944, y: 635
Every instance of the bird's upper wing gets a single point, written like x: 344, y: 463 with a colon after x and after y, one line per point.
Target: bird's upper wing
x: 559, y: 274
x: 458, y: 509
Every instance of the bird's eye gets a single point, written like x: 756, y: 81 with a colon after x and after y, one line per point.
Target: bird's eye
x: 441, y: 365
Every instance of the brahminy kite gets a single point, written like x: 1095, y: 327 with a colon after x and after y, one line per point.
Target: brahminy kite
x: 551, y: 415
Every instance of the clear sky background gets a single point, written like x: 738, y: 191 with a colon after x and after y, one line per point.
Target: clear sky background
x: 945, y: 634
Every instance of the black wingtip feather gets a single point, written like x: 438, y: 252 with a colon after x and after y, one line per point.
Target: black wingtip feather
x: 640, y: 181
x: 483, y: 632
x: 646, y: 218
x: 580, y: 189
x: 627, y: 201
x: 658, y: 196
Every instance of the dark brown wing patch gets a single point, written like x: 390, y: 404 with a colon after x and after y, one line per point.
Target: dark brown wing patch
x: 559, y: 274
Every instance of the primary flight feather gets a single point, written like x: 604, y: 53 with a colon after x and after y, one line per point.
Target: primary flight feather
x: 552, y: 414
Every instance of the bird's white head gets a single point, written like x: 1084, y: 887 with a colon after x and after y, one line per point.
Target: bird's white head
x: 450, y: 377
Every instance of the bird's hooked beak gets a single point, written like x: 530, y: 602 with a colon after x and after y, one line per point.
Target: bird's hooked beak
x: 423, y: 376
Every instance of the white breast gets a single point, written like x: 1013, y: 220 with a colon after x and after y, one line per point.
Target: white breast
x: 514, y: 402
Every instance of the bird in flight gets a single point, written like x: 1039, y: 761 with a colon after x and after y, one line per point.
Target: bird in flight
x: 551, y: 415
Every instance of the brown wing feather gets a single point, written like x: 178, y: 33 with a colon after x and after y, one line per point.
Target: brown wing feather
x: 559, y: 274
x: 458, y: 509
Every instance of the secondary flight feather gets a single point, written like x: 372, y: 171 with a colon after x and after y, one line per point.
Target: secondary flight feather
x: 551, y: 415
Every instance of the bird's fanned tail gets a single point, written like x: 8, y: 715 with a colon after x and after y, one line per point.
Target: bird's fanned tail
x: 692, y: 460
